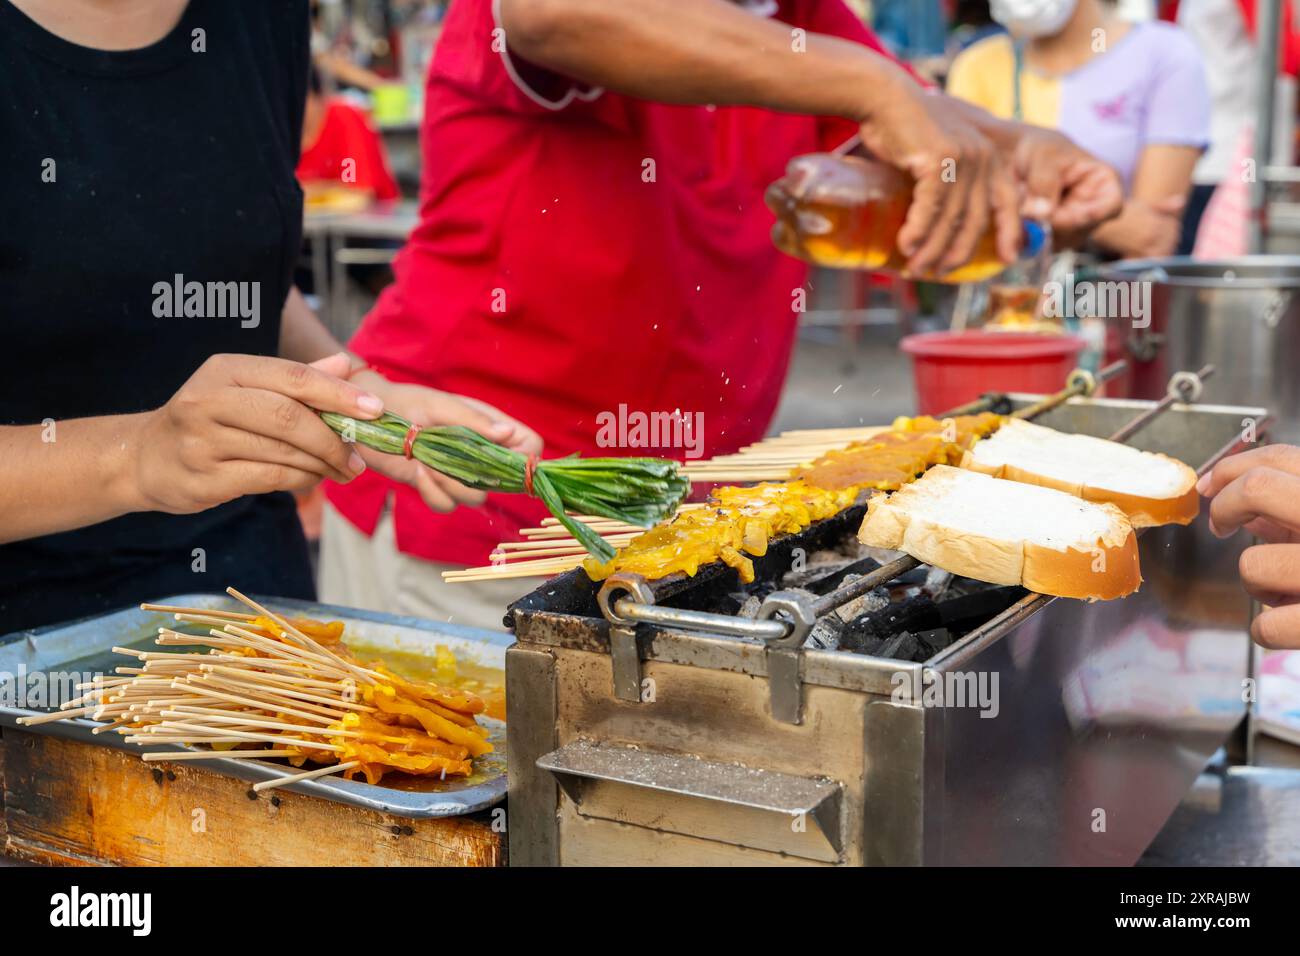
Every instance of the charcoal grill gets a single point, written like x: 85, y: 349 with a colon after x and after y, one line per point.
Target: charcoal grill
x: 651, y: 724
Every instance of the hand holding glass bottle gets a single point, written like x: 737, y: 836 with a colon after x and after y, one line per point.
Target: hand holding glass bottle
x: 845, y: 212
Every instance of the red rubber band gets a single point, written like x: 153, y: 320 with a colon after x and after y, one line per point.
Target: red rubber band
x: 530, y: 466
x: 408, y: 443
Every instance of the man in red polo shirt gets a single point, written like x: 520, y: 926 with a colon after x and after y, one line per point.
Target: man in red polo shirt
x: 594, y: 243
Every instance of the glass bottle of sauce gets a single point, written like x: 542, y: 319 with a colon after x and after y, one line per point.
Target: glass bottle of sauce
x: 845, y: 212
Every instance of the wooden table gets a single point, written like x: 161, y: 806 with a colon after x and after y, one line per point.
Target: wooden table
x: 71, y: 803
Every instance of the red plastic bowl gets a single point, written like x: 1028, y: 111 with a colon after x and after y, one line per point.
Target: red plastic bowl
x: 953, y: 368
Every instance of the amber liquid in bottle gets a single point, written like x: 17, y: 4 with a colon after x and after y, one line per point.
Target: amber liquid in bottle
x: 845, y: 212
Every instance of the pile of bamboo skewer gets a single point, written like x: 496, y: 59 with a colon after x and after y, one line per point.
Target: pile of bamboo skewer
x: 294, y: 694
x: 550, y: 549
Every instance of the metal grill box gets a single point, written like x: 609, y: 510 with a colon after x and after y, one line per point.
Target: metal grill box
x: 1056, y: 732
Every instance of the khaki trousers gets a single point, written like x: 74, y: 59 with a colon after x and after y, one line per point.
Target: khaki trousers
x: 359, y: 570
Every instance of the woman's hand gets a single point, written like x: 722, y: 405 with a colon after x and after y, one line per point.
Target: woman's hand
x: 1145, y: 228
x: 1259, y: 490
x: 1063, y: 184
x: 428, y: 407
x: 1152, y: 221
x: 245, y: 425
x: 1054, y: 180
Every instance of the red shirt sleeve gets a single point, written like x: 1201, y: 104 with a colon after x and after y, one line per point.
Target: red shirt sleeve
x: 478, y: 52
x: 474, y: 57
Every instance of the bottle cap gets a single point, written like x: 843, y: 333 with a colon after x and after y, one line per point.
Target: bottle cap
x: 1035, y: 237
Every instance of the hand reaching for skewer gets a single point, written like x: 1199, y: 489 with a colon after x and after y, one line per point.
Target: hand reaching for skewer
x: 1259, y: 490
x: 428, y: 407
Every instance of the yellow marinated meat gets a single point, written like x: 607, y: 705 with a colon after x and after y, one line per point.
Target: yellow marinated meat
x: 387, y: 700
x: 327, y: 633
x: 462, y: 702
x: 741, y: 521
x: 374, y: 761
x: 398, y: 737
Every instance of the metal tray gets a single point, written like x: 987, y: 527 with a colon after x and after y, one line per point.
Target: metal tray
x: 85, y: 646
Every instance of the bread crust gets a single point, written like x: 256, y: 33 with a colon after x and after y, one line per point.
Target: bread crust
x: 1105, y: 570
x: 1142, y: 511
x: 1152, y: 512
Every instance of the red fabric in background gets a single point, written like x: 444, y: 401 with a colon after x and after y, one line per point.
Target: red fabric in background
x: 346, y: 133
x: 550, y: 278
x: 1288, y: 55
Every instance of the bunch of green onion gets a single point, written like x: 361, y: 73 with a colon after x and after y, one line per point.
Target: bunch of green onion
x: 637, y: 491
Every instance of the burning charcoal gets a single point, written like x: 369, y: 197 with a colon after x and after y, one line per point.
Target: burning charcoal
x: 825, y: 634
x: 855, y: 568
x: 870, y: 645
x: 820, y: 565
x: 969, y: 610
x: 960, y: 586
x: 931, y: 642
x: 914, y: 614
x: 903, y: 647
x: 874, y: 600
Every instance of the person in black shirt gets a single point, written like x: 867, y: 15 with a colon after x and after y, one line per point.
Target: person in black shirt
x: 160, y: 369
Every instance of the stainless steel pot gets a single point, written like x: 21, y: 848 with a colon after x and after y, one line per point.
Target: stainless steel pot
x: 1242, y: 315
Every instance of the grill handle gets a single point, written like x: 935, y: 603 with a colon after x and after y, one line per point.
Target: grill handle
x: 627, y: 600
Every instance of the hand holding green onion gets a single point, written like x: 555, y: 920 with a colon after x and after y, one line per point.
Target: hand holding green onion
x: 638, y: 491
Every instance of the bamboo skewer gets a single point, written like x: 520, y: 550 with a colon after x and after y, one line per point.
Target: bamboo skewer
x: 309, y: 775
x: 271, y: 699
x: 200, y: 733
x: 367, y: 676
x: 543, y: 567
x: 261, y: 704
x: 173, y: 609
x: 54, y: 715
x: 219, y: 754
x: 290, y: 691
x: 208, y: 740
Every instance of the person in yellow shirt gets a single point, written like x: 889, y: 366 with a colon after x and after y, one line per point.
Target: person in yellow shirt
x: 1133, y: 94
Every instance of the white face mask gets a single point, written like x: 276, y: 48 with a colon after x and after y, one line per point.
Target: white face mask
x: 1028, y: 19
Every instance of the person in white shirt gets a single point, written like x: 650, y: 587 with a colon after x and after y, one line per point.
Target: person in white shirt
x: 1219, y: 30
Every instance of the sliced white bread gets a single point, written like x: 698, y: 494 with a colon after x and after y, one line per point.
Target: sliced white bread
x: 1151, y: 489
x: 1006, y: 532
